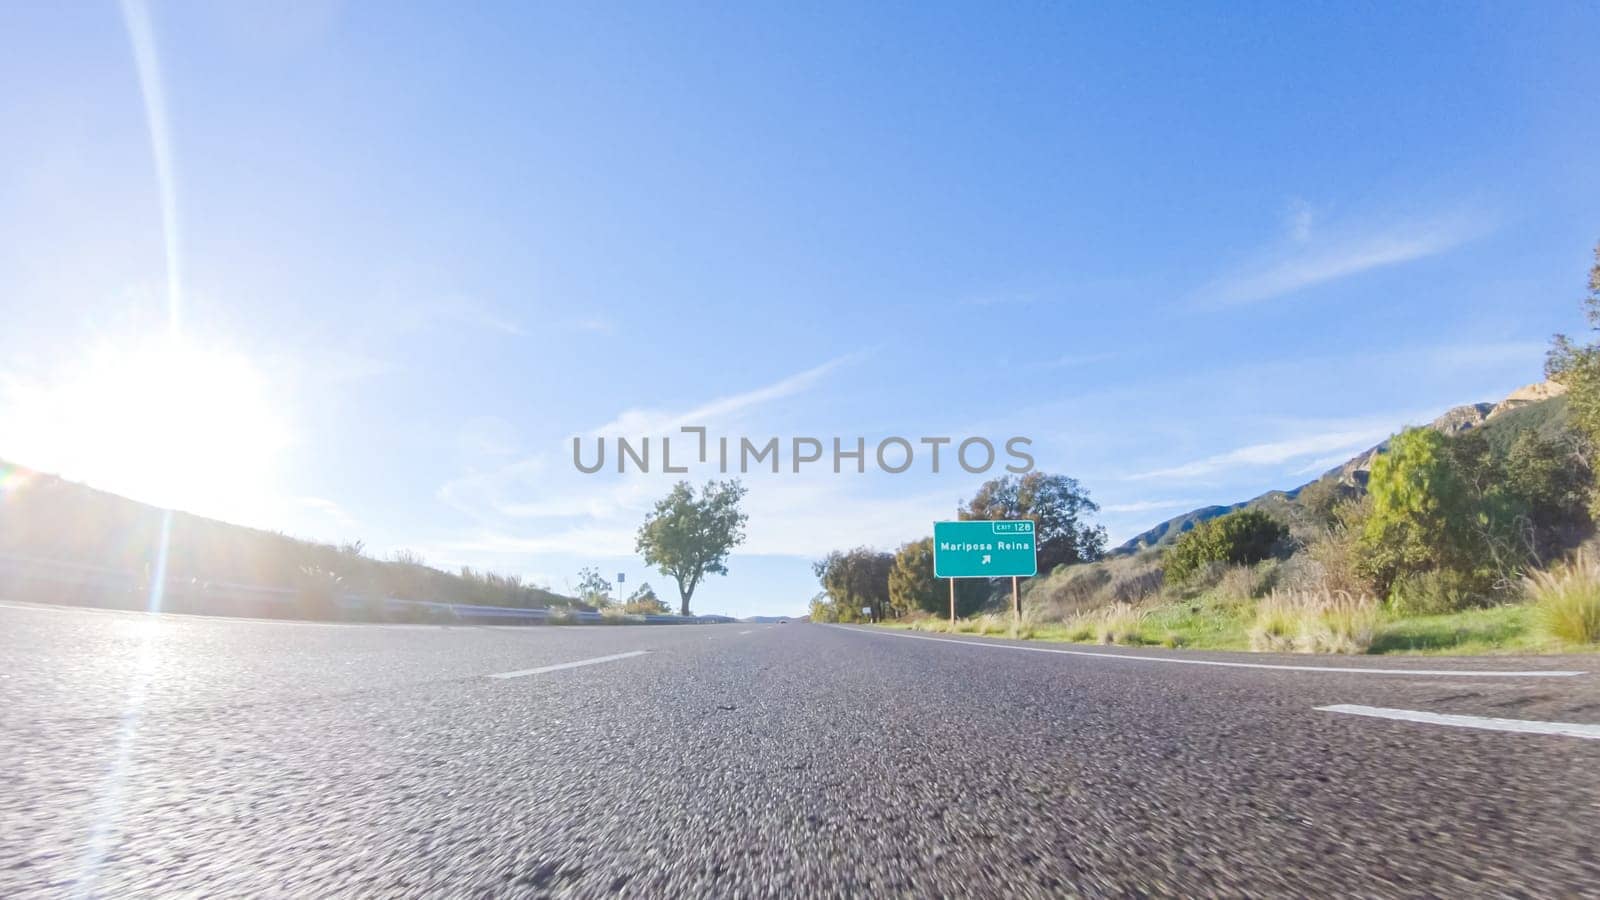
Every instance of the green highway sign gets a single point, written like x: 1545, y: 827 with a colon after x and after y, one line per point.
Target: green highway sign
x: 984, y: 549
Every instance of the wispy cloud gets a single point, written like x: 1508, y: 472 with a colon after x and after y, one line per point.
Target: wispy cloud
x: 1272, y: 453
x: 1307, y: 263
x: 542, y: 487
x: 999, y: 300
x: 1148, y: 505
x: 646, y: 421
x: 1300, y: 220
x: 1073, y: 360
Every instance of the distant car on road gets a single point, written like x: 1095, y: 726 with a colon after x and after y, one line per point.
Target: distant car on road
x: 783, y: 621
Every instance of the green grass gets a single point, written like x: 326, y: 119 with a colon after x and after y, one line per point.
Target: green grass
x: 1202, y: 624
x: 1213, y: 624
x: 1496, y: 629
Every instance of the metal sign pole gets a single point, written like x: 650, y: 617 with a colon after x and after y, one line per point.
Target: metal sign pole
x: 952, y: 603
x: 1016, y: 604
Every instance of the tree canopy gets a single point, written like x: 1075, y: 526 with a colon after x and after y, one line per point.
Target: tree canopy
x: 1245, y: 536
x: 689, y: 536
x: 644, y: 602
x: 913, y: 587
x: 856, y: 583
x: 1577, y: 367
x: 1057, y: 505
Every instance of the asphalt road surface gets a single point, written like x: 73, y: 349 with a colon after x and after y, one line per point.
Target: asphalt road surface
x: 160, y: 755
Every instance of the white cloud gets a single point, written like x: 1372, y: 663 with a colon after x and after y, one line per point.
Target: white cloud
x: 329, y: 511
x: 594, y: 325
x: 1273, y: 453
x: 1307, y: 263
x: 1147, y: 506
x: 1300, y: 220
x: 642, y: 422
x: 999, y: 300
x: 1072, y: 360
x: 601, y: 510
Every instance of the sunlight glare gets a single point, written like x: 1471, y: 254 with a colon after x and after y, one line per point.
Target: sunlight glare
x: 164, y: 421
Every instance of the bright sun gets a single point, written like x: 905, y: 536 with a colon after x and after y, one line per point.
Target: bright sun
x: 163, y: 421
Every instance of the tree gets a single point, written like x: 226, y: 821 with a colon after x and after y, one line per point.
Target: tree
x: 1321, y: 497
x: 913, y: 587
x: 822, y: 608
x: 689, y: 537
x: 1424, y: 514
x: 644, y: 602
x: 856, y: 582
x: 1058, y: 507
x: 1549, y: 479
x: 1243, y: 537
x: 593, y: 590
x: 911, y: 582
x: 1577, y: 367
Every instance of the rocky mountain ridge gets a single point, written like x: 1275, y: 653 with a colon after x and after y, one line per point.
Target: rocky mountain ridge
x: 1354, y: 471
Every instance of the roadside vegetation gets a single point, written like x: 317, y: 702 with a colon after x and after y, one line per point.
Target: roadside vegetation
x: 1474, y: 534
x: 107, y: 543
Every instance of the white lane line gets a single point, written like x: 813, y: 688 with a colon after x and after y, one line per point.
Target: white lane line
x: 747, y: 632
x: 1527, y: 726
x: 569, y: 665
x: 1454, y: 673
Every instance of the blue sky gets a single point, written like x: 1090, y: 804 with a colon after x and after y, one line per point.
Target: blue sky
x: 361, y: 272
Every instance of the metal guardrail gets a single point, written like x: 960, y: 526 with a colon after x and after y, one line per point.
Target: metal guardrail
x: 80, y: 584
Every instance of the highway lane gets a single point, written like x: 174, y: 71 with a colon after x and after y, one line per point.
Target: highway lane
x: 158, y: 755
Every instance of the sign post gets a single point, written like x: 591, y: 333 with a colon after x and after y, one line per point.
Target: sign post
x: 985, y: 548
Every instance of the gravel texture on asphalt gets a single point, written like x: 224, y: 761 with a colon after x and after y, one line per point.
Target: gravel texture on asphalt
x: 162, y: 755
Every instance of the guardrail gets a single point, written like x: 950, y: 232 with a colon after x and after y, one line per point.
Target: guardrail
x: 77, y: 584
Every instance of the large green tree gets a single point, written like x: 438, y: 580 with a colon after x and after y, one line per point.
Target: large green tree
x: 689, y: 536
x: 1424, y: 512
x: 913, y: 587
x: 856, y: 582
x: 1059, y: 507
x: 1577, y: 367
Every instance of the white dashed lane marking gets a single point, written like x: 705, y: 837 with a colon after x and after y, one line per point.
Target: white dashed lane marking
x: 570, y: 665
x: 1526, y: 726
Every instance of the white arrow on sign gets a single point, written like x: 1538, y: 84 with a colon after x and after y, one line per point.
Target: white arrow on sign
x: 986, y: 559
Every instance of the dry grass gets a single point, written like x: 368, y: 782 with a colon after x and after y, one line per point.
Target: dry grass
x: 1075, y: 590
x: 1241, y: 582
x: 1120, y: 623
x: 1336, y: 557
x: 1566, y: 598
x: 1314, y: 622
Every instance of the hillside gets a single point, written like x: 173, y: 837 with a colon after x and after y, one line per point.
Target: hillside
x: 1541, y: 407
x: 100, y: 543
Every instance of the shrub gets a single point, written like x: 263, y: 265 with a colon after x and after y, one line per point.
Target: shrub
x: 1321, y: 499
x: 1120, y: 623
x: 1314, y: 622
x: 1567, y: 599
x: 1277, y: 624
x: 1434, y: 591
x: 1245, y: 582
x: 1337, y: 555
x: 1439, y: 503
x: 1135, y: 586
x: 317, y: 592
x: 1246, y: 536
